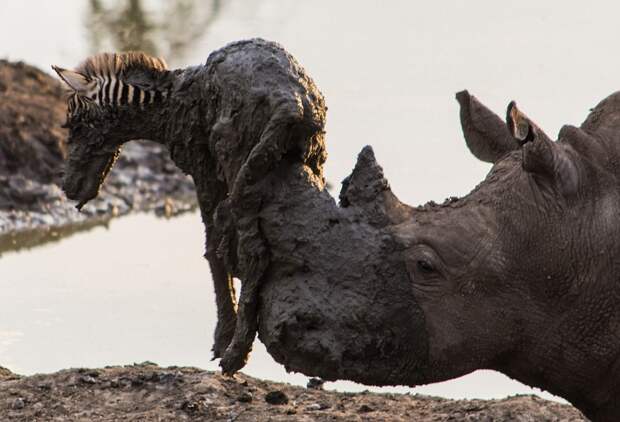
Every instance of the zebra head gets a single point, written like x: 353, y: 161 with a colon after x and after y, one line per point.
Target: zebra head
x: 105, y: 96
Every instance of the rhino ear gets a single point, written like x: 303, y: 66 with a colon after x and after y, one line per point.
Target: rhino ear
x: 485, y: 132
x: 550, y: 162
x: 605, y: 116
x: 75, y: 80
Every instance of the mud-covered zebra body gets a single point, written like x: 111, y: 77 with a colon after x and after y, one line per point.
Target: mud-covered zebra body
x: 227, y: 123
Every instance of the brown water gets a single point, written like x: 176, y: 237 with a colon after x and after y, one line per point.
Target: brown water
x: 389, y: 72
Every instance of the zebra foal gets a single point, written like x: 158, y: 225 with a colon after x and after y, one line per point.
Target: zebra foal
x: 228, y: 124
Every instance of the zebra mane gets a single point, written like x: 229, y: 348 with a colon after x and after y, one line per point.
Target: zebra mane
x: 116, y: 79
x: 117, y: 64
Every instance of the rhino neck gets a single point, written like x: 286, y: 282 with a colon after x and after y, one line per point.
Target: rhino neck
x: 582, y: 385
x: 566, y: 343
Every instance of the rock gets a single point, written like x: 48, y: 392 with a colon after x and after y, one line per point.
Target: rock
x: 193, y: 407
x: 365, y: 408
x: 315, y: 383
x: 245, y: 397
x: 171, y: 377
x: 6, y: 373
x: 316, y: 406
x: 88, y: 379
x: 42, y: 219
x: 276, y: 397
x: 18, y: 404
x: 120, y: 179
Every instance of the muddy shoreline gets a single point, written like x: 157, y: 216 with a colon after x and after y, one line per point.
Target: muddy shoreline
x: 147, y: 392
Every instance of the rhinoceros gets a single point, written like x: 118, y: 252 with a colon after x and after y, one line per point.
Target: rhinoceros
x: 519, y: 276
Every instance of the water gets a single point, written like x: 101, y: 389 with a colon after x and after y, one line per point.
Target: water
x: 389, y: 73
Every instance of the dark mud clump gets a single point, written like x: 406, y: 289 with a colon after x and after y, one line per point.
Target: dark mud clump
x: 147, y: 392
x: 32, y: 151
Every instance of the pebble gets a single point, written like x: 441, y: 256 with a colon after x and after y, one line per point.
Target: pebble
x: 245, y: 397
x: 365, y: 409
x: 87, y: 379
x: 144, y: 173
x: 170, y: 377
x: 18, y: 403
x: 276, y: 397
x: 122, y: 179
x: 40, y: 219
x: 315, y: 383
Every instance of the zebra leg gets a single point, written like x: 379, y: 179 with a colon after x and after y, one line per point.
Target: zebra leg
x: 210, y: 194
x: 237, y: 353
x: 224, y: 298
x: 252, y: 251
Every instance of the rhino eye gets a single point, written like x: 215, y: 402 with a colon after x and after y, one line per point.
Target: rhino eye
x: 425, y: 266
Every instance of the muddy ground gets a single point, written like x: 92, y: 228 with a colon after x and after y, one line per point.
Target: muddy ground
x: 147, y: 392
x: 33, y: 208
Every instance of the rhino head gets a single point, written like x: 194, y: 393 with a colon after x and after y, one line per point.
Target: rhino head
x: 519, y: 276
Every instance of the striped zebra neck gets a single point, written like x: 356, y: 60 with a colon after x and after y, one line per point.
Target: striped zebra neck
x: 114, y: 91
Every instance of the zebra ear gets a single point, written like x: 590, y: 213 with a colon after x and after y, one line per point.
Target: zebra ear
x: 76, y: 81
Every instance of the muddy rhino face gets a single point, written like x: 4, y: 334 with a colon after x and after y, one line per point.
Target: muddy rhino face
x: 359, y: 322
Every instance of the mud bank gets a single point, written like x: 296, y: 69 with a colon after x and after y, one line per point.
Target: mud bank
x: 32, y: 148
x: 147, y: 392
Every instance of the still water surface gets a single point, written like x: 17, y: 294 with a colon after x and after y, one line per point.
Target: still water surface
x: 389, y: 70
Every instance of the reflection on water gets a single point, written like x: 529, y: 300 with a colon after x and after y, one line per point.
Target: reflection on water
x: 40, y: 236
x: 165, y: 29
